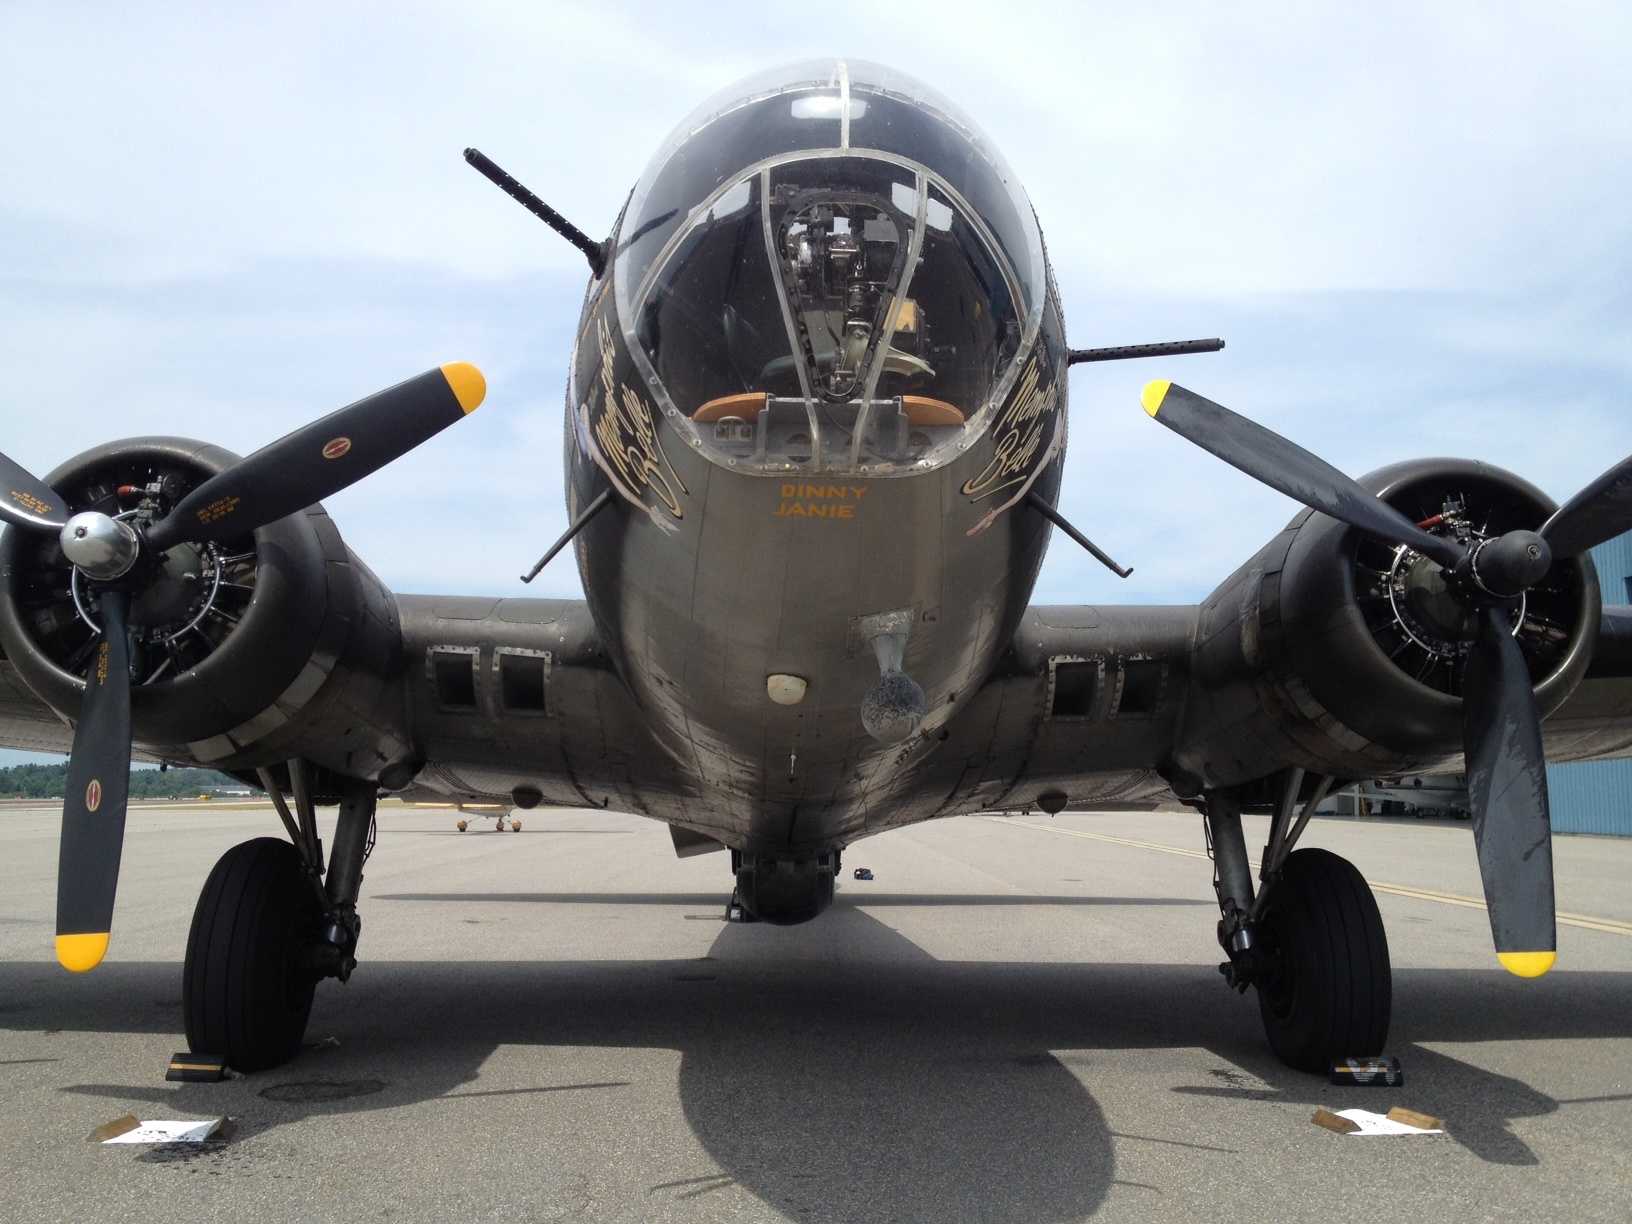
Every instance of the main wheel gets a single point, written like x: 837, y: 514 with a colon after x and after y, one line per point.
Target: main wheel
x: 1330, y: 989
x: 247, y: 986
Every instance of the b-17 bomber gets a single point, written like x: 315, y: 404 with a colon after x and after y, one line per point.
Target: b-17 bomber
x: 816, y: 434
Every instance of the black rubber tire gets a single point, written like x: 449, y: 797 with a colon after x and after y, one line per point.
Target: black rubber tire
x: 1332, y: 990
x: 245, y: 993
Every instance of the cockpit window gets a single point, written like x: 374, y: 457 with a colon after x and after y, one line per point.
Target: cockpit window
x: 779, y: 112
x: 840, y: 307
x: 958, y: 326
x: 711, y: 325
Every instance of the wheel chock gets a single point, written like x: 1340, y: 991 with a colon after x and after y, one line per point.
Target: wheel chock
x: 1332, y: 1122
x: 196, y: 1069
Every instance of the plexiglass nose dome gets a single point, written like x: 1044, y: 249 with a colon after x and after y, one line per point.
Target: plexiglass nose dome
x: 826, y: 269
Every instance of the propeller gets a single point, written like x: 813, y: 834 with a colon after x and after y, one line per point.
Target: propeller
x: 1507, y: 789
x: 28, y: 502
x: 318, y: 460
x: 1601, y: 511
x: 1284, y: 465
x: 93, y: 809
x: 120, y: 557
x: 1506, y: 767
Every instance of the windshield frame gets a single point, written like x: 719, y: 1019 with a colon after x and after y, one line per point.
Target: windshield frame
x: 1033, y: 295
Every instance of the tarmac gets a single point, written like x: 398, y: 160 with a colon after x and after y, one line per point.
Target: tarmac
x: 1017, y: 1019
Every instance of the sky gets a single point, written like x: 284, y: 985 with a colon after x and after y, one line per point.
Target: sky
x: 1409, y: 223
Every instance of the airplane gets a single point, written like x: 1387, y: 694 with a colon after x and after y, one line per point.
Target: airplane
x: 502, y: 820
x: 815, y: 436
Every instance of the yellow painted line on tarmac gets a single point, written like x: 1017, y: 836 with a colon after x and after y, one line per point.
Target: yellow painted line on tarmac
x: 1586, y: 922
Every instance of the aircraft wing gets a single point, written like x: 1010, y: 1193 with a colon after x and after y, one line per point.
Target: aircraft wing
x: 492, y: 695
x: 1087, y: 702
x: 26, y: 722
x: 508, y: 693
x: 1100, y: 704
x: 1108, y: 706
x: 1596, y: 722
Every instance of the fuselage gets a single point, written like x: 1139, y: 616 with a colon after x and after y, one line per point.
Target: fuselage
x: 743, y: 544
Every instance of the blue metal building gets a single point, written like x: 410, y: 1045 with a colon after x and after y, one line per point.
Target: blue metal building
x: 1597, y: 797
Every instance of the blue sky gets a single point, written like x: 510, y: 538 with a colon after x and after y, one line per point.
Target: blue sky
x: 1411, y: 227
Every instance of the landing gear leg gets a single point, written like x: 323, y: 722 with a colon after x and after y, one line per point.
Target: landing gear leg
x: 267, y: 928
x: 736, y: 911
x: 1311, y: 941
x: 353, y: 839
x: 1232, y: 883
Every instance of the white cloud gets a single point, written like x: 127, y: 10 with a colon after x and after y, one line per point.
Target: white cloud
x: 1407, y: 221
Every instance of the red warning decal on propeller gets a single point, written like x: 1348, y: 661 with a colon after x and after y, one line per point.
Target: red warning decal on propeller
x: 93, y: 795
x: 336, y: 447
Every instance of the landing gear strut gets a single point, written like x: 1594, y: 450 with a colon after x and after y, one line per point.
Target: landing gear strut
x: 269, y: 926
x: 1311, y: 941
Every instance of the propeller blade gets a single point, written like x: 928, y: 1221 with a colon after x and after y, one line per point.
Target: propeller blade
x: 1284, y: 465
x: 93, y: 812
x: 320, y: 459
x: 29, y: 502
x: 1507, y: 789
x: 1601, y: 511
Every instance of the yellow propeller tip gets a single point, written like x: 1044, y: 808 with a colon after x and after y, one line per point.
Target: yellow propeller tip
x: 79, y: 953
x: 467, y: 383
x: 1154, y: 393
x: 1527, y: 964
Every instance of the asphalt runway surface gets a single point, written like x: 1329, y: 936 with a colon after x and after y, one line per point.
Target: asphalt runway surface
x: 1015, y: 1020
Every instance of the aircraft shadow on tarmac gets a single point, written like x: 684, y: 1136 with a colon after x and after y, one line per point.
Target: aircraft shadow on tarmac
x: 716, y: 900
x: 835, y: 1069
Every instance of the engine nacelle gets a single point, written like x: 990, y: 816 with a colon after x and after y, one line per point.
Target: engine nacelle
x: 1334, y: 651
x: 250, y: 652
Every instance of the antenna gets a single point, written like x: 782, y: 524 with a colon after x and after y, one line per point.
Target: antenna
x: 595, y: 252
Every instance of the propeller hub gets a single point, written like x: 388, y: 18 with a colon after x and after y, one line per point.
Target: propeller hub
x: 1510, y: 564
x: 102, y: 547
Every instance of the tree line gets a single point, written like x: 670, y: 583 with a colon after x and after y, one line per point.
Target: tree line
x: 47, y: 782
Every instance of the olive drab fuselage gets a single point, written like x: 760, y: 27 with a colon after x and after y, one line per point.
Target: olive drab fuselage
x: 821, y: 385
